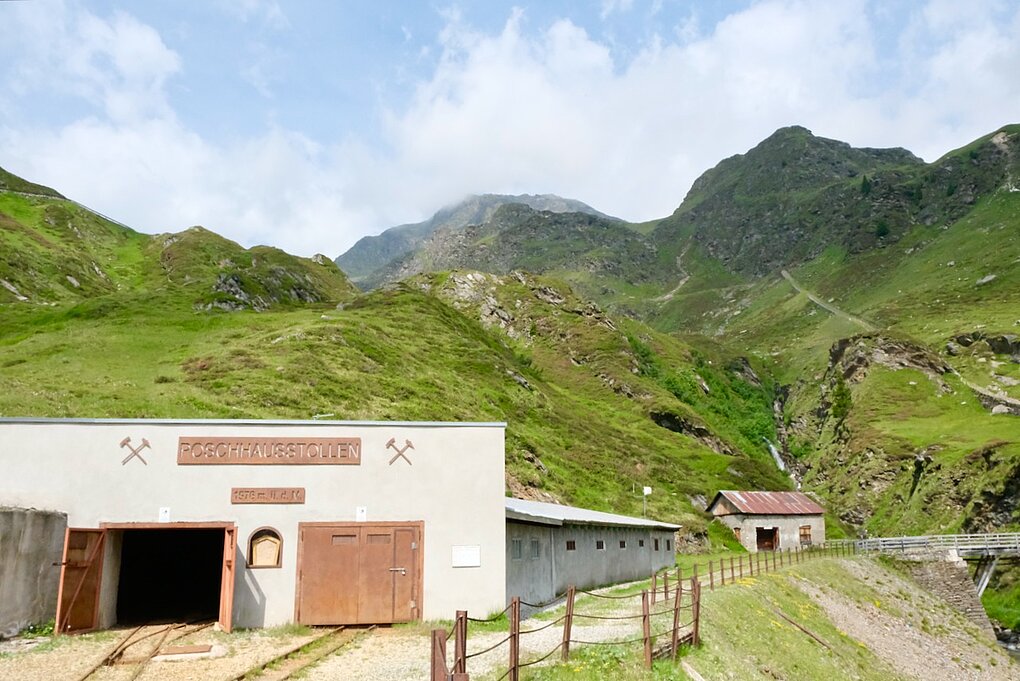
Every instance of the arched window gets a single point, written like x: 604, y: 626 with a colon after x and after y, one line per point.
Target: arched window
x: 265, y: 548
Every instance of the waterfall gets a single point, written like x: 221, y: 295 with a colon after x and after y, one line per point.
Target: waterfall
x: 775, y: 454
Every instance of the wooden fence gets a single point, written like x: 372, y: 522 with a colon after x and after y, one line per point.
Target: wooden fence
x: 685, y: 592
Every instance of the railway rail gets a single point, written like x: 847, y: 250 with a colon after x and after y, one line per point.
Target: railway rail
x: 291, y: 662
x: 164, y: 635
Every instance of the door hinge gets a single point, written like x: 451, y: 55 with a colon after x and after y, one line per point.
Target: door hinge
x: 414, y: 546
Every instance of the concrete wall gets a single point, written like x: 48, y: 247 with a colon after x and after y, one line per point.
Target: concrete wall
x: 789, y: 528
x: 455, y: 484
x: 31, y: 542
x: 946, y: 575
x: 541, y: 579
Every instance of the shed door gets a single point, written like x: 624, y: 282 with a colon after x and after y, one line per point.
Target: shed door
x: 227, y: 580
x: 81, y: 571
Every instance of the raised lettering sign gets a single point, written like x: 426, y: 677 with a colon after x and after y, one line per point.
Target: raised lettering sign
x: 267, y: 495
x: 215, y: 450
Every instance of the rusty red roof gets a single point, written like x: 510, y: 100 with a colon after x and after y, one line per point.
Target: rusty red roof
x: 769, y: 503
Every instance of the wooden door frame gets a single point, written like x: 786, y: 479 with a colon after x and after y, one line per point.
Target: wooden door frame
x: 419, y: 585
x: 229, y: 562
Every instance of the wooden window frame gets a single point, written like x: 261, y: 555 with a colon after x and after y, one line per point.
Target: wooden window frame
x: 801, y: 534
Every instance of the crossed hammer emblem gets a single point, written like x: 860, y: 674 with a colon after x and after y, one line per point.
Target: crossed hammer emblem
x: 392, y: 444
x: 126, y: 442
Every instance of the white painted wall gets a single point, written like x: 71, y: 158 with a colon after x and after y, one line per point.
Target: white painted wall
x: 455, y: 485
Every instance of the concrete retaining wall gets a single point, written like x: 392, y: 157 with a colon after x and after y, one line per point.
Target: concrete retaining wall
x: 31, y: 542
x: 945, y: 574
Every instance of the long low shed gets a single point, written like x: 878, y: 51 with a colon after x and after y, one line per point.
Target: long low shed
x: 257, y: 523
x: 550, y: 547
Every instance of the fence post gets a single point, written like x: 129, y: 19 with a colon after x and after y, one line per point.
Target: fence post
x: 655, y: 586
x: 711, y: 577
x: 696, y: 609
x: 460, y: 643
x: 646, y: 626
x: 438, y: 665
x: 740, y: 565
x: 757, y: 554
x: 722, y: 572
x: 665, y: 586
x: 732, y: 578
x: 568, y: 623
x: 694, y: 573
x: 676, y: 617
x: 515, y: 639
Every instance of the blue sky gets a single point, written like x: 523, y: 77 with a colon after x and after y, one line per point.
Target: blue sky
x: 307, y: 125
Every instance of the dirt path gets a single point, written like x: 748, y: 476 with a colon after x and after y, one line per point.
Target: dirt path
x: 868, y: 326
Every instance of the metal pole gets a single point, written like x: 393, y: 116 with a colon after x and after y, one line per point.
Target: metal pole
x: 438, y: 665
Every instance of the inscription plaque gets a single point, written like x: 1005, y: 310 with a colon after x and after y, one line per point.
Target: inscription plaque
x: 267, y: 495
x: 246, y: 451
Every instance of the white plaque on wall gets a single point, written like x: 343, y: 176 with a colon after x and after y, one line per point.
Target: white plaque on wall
x: 361, y: 513
x: 467, y: 556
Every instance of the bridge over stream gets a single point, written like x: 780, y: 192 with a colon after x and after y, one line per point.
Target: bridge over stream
x: 984, y: 550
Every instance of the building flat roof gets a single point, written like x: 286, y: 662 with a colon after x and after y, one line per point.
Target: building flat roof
x: 769, y: 503
x: 253, y: 422
x: 558, y: 514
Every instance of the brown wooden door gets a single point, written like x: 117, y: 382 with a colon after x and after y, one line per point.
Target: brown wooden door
x: 81, y: 571
x: 227, y: 580
x: 358, y: 573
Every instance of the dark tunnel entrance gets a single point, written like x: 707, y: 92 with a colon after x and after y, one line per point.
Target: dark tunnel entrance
x: 170, y: 575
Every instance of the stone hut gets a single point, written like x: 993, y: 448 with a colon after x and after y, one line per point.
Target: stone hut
x: 770, y: 521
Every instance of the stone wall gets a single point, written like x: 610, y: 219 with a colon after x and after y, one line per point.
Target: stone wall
x: 945, y: 574
x: 31, y: 542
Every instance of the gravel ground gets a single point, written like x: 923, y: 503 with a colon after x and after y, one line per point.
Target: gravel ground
x: 940, y: 653
x: 67, y: 658
x: 403, y: 653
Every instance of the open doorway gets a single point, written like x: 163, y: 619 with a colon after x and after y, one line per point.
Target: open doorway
x: 169, y: 576
x: 767, y: 538
x: 135, y: 573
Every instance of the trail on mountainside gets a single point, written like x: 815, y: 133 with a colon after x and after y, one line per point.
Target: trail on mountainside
x: 827, y: 306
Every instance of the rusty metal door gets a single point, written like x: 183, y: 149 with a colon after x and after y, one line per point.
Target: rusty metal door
x: 227, y: 578
x: 358, y: 573
x: 81, y: 571
x: 405, y: 574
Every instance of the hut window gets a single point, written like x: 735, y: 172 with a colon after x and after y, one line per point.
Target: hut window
x: 655, y: 544
x: 571, y: 545
x: 623, y: 543
x: 265, y: 548
x: 669, y: 544
x: 536, y: 548
x: 641, y: 543
x: 516, y: 550
x: 736, y: 533
x: 805, y: 535
x: 600, y: 545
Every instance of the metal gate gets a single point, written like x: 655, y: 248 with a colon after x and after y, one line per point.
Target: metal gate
x: 359, y: 573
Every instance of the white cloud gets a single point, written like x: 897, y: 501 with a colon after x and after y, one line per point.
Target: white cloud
x: 518, y: 110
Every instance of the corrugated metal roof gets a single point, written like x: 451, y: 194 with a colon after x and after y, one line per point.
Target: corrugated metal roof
x: 770, y: 503
x: 557, y: 514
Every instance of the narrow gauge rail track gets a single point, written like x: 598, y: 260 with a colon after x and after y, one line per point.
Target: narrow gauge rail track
x: 299, y: 658
x: 164, y: 635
